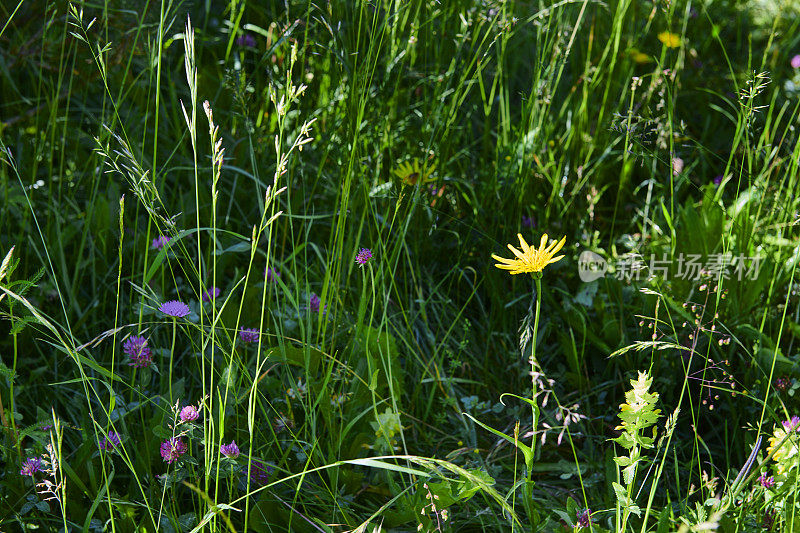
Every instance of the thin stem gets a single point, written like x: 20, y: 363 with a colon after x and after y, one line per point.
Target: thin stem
x: 534, y: 407
x: 534, y: 363
x: 172, y: 358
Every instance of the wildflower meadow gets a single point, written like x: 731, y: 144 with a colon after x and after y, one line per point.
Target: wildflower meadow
x: 395, y: 266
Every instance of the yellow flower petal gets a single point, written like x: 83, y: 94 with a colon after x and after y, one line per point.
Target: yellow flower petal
x: 504, y: 260
x: 516, y: 252
x: 543, y: 242
x: 530, y: 259
x: 525, y: 248
x: 559, y: 245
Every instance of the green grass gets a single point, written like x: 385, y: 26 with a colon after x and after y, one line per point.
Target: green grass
x: 406, y: 400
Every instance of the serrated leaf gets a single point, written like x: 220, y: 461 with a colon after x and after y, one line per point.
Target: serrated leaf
x: 628, y: 473
x: 7, y: 373
x: 19, y: 324
x: 619, y: 490
x: 623, y: 461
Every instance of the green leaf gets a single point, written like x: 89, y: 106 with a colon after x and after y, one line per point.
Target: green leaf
x: 572, y: 510
x: 527, y: 452
x: 18, y: 324
x: 623, y: 461
x: 239, y: 247
x: 628, y: 473
x: 374, y: 463
x: 7, y: 373
x: 471, y: 483
x: 619, y: 490
x: 297, y: 356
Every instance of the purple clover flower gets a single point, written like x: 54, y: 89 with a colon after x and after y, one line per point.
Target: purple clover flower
x: 211, y: 294
x: 717, y: 179
x: 230, y: 451
x: 271, y: 274
x: 766, y: 482
x: 109, y: 443
x: 363, y: 256
x: 792, y: 424
x: 137, y: 349
x: 172, y: 449
x: 314, y: 303
x: 31, y: 466
x: 246, y: 40
x: 795, y: 62
x: 175, y: 309
x: 249, y: 335
x: 584, y: 518
x: 259, y: 472
x: 190, y: 413
x: 159, y: 242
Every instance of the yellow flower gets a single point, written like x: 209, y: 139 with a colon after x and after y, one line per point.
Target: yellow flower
x: 670, y: 40
x: 530, y: 259
x: 411, y: 173
x: 639, y: 57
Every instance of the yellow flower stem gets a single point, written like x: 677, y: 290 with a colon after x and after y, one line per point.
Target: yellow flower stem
x: 538, y: 280
x: 537, y: 277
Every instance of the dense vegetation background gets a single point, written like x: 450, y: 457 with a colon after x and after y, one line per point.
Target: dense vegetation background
x: 661, y: 136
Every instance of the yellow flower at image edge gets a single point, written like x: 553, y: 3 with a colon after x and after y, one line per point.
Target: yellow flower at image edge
x: 530, y: 259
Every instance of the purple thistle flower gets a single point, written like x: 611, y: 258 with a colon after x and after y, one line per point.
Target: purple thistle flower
x: 766, y: 482
x: 211, y: 294
x: 792, y: 424
x: 795, y: 62
x: 189, y: 413
x: 109, y: 443
x: 271, y: 274
x: 172, y: 449
x: 174, y: 308
x: 246, y: 40
x: 259, y: 472
x: 584, y: 518
x: 137, y: 349
x: 363, y: 256
x: 230, y: 450
x: 249, y: 335
x: 159, y: 242
x: 31, y: 466
x: 314, y: 303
